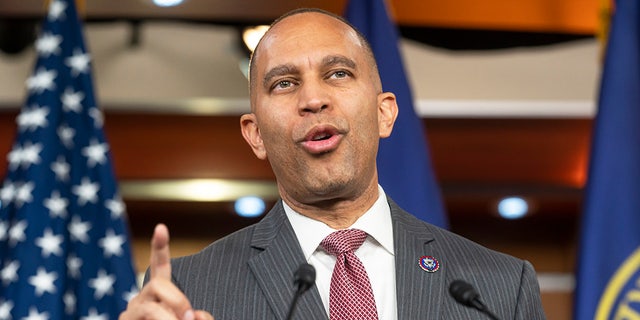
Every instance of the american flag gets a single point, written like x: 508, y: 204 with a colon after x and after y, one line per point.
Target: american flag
x: 64, y: 250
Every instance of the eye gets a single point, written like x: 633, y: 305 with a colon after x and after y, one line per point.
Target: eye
x: 340, y: 74
x: 282, y: 85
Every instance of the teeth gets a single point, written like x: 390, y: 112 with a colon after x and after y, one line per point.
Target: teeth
x: 320, y: 137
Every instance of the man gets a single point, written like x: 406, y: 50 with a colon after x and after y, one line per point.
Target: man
x: 318, y: 112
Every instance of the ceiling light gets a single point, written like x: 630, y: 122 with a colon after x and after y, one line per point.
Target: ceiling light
x: 167, y: 3
x: 249, y: 206
x: 252, y: 35
x: 513, y: 208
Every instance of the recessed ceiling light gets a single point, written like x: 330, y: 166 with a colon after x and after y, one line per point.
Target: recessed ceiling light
x: 513, y: 208
x: 249, y: 207
x: 167, y: 3
x: 252, y: 35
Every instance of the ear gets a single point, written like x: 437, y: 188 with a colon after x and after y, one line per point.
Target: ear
x: 387, y: 113
x: 251, y: 134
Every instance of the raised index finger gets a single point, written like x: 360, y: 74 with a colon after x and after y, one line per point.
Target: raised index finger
x: 160, y: 264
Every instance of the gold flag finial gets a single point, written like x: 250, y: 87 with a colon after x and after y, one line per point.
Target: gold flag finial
x: 607, y: 7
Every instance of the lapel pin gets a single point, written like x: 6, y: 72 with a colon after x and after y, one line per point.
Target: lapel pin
x: 429, y: 263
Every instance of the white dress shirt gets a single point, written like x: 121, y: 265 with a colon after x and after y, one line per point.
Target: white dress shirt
x: 376, y: 253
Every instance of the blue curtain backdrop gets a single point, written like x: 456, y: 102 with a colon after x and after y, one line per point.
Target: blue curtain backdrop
x: 404, y: 162
x: 608, y: 269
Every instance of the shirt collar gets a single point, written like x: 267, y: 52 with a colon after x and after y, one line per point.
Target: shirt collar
x: 376, y: 222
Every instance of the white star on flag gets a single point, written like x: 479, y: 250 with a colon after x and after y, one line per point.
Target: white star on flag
x: 66, y: 135
x: 57, y: 205
x: 10, y: 273
x: 43, y: 282
x: 72, y: 100
x: 16, y: 233
x: 102, y: 284
x: 131, y: 293
x: 56, y: 10
x: 42, y: 80
x: 35, y: 315
x: 61, y: 168
x: 116, y: 206
x: 5, y: 309
x: 30, y: 154
x: 15, y: 157
x: 95, y: 153
x: 69, y: 300
x: 7, y: 193
x: 73, y: 266
x: 49, y: 243
x: 32, y: 118
x: 48, y: 44
x: 24, y: 194
x: 93, y: 315
x: 26, y: 155
x: 97, y: 116
x: 112, y: 244
x: 78, y: 229
x: 86, y: 191
x: 78, y: 62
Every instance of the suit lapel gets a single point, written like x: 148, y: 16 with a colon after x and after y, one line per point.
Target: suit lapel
x: 275, y: 266
x: 419, y: 293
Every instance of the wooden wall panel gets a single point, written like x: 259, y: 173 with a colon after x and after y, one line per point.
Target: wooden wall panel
x: 151, y: 146
x: 511, y: 152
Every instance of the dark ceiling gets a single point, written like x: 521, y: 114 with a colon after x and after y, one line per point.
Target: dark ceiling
x: 19, y: 20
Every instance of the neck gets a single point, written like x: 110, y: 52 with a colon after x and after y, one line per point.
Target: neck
x: 337, y: 213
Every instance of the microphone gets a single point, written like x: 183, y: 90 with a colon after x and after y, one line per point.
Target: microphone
x: 304, y: 278
x: 465, y: 294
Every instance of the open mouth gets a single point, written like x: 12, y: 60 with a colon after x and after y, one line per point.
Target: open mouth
x: 322, y: 140
x: 321, y: 133
x: 321, y: 136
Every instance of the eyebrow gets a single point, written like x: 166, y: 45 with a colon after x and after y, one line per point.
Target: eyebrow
x: 335, y: 60
x: 278, y: 71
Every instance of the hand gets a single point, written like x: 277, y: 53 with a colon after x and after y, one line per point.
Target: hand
x: 160, y: 298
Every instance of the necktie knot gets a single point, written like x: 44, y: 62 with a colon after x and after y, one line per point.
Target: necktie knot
x: 350, y: 295
x: 343, y: 241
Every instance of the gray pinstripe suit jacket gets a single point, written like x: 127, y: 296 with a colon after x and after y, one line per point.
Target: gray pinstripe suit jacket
x: 249, y: 274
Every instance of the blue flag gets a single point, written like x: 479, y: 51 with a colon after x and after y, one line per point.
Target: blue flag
x: 404, y: 163
x: 64, y: 250
x: 608, y: 275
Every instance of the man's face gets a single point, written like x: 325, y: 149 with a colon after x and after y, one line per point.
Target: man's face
x: 318, y: 109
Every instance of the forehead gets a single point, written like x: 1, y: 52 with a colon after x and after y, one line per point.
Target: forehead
x: 305, y: 35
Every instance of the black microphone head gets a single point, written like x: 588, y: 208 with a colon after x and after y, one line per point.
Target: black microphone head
x: 304, y: 277
x: 463, y: 292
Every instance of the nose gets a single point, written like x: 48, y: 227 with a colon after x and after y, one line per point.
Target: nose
x: 313, y: 98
